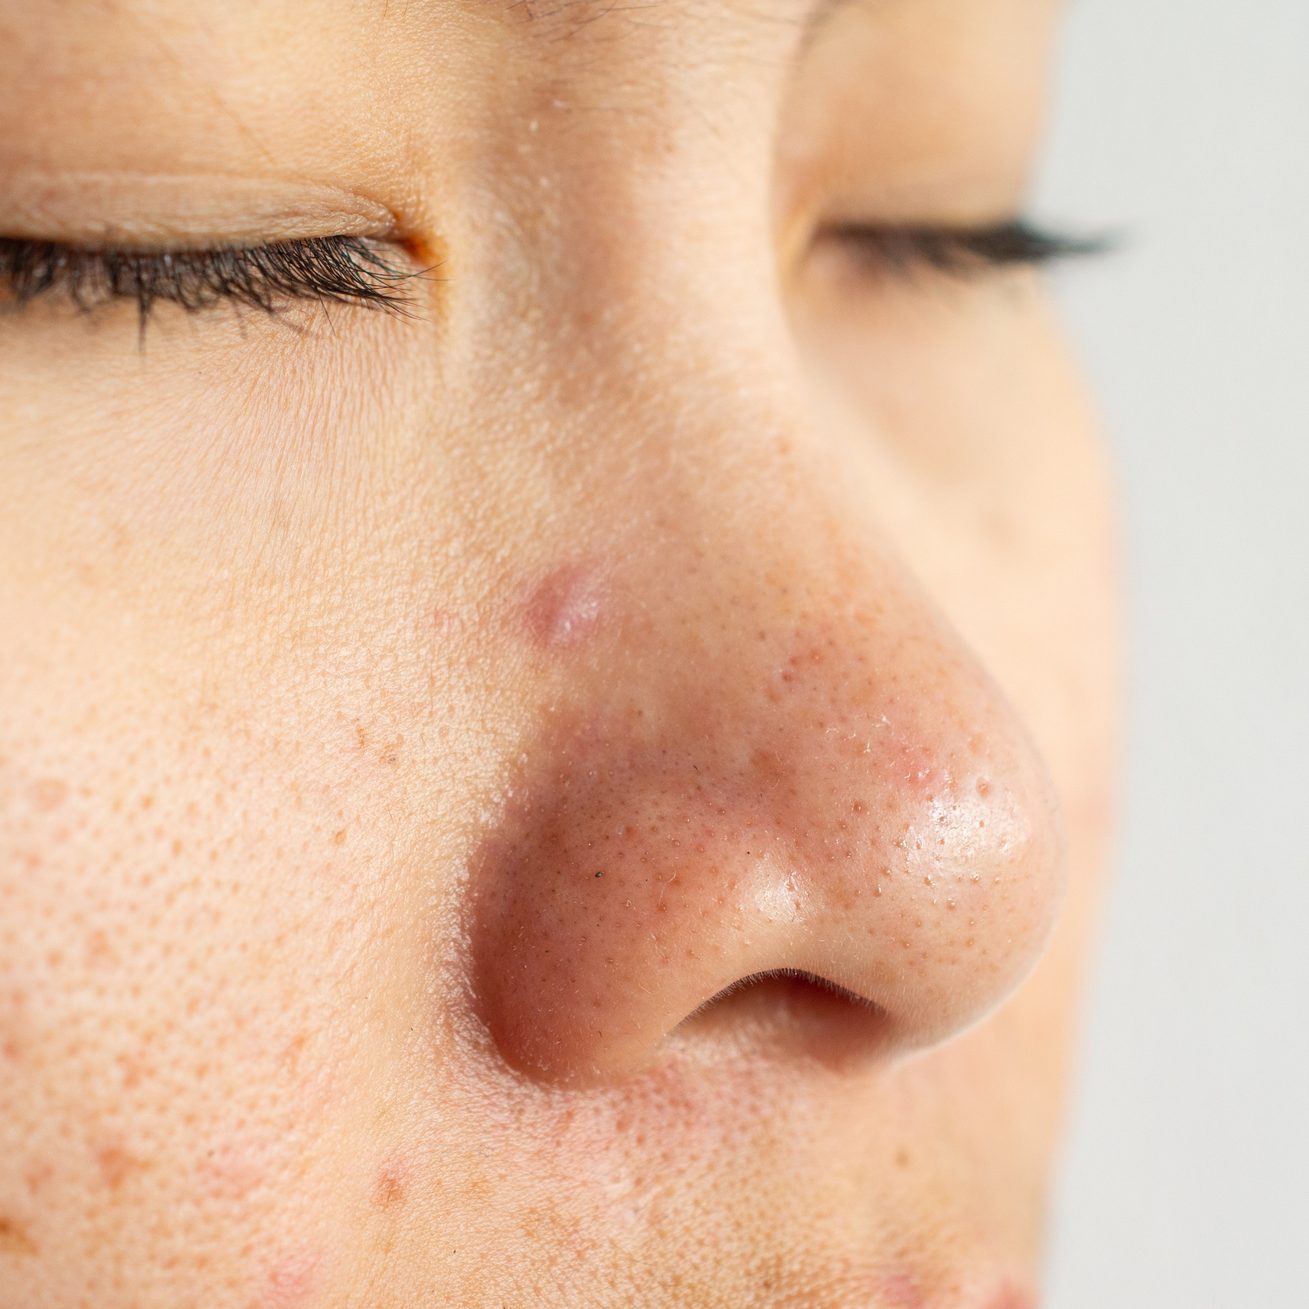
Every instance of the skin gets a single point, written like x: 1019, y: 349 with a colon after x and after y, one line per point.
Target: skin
x: 419, y: 733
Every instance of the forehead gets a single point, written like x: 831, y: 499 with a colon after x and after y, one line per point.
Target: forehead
x: 455, y: 41
x: 379, y: 90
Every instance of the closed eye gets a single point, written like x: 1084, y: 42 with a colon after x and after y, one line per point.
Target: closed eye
x: 321, y: 269
x: 961, y: 251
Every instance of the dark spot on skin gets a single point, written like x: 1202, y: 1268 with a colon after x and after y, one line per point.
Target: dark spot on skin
x: 47, y: 794
x: 14, y: 1238
x: 390, y: 1189
x: 338, y: 837
x: 902, y: 1158
x: 116, y: 1165
x: 11, y: 1025
x: 99, y: 951
x: 600, y: 873
x: 293, y: 1050
x: 131, y: 1070
x: 36, y: 1177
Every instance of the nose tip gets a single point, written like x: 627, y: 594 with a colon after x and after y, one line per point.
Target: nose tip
x: 839, y: 840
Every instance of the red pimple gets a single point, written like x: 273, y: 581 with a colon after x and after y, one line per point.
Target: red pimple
x: 563, y: 607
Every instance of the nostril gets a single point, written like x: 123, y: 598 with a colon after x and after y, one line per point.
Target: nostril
x: 787, y: 985
x: 788, y: 1012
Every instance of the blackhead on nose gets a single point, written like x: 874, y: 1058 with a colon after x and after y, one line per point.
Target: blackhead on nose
x: 776, y: 801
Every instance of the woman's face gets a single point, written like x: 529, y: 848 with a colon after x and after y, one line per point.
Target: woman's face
x: 555, y: 796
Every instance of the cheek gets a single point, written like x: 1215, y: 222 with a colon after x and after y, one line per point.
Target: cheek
x: 179, y: 954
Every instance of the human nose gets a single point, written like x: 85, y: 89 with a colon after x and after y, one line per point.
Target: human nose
x: 775, y: 801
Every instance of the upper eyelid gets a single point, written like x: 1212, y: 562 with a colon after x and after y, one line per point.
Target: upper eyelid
x: 178, y: 211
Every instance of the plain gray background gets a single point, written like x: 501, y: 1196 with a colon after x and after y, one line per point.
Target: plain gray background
x: 1186, y: 1177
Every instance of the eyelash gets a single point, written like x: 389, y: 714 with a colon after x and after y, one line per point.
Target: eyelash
x: 960, y: 251
x: 322, y: 269
x: 350, y: 270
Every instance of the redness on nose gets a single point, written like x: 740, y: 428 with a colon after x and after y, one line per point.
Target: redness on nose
x: 563, y: 607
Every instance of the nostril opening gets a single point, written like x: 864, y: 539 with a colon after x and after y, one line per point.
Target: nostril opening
x: 790, y: 984
x: 789, y: 1012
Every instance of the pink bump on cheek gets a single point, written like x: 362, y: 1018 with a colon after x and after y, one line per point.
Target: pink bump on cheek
x: 563, y: 608
x: 292, y: 1279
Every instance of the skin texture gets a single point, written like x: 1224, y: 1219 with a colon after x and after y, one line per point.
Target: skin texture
x: 419, y: 734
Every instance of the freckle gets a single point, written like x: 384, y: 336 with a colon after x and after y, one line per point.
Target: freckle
x: 338, y: 837
x: 132, y: 1072
x: 147, y: 802
x: 36, y: 1178
x: 176, y: 846
x: 562, y: 608
x: 14, y: 1238
x: 47, y: 794
x: 293, y: 1049
x: 116, y: 1165
x: 390, y: 1188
